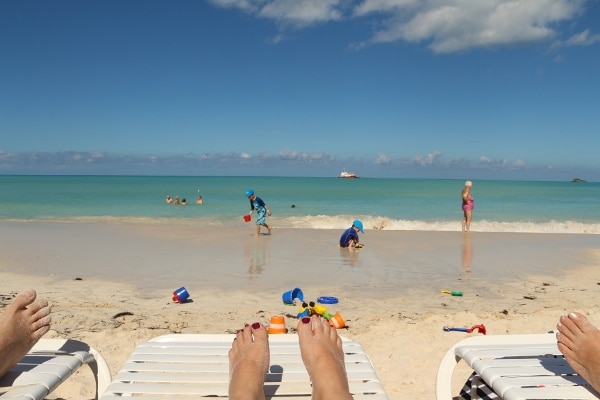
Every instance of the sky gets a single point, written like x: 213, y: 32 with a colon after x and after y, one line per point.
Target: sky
x: 457, y: 89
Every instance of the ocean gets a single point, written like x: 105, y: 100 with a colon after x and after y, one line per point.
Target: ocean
x: 317, y: 203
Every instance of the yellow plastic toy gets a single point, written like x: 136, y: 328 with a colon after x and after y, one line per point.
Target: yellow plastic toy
x: 451, y: 292
x: 311, y: 308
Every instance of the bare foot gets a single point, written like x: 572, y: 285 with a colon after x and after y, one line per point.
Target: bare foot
x: 323, y: 356
x: 579, y: 341
x: 249, y: 363
x: 22, y: 324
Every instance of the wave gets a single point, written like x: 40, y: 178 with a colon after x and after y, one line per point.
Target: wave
x: 341, y: 222
x: 384, y: 223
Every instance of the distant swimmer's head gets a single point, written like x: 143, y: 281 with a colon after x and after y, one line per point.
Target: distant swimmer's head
x: 468, y: 183
x: 358, y: 224
x: 249, y: 192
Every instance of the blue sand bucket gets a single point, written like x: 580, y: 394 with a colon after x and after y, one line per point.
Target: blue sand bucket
x: 288, y: 297
x: 181, y: 295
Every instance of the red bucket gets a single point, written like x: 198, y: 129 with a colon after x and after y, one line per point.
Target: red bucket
x: 247, y: 217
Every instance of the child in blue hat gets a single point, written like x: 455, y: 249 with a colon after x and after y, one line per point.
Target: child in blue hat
x: 350, y: 236
x: 262, y: 211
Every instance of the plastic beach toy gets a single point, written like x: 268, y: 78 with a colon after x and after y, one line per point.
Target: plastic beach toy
x: 247, y: 218
x: 327, y: 300
x: 318, y: 309
x: 304, y: 312
x: 480, y: 329
x: 289, y: 296
x: 337, y: 321
x: 452, y: 292
x: 181, y: 295
x: 277, y: 325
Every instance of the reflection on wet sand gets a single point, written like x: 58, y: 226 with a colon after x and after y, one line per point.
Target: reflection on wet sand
x: 256, y: 255
x: 467, y: 251
x: 349, y: 256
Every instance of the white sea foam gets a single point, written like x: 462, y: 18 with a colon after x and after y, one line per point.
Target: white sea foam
x: 344, y: 221
x: 383, y: 223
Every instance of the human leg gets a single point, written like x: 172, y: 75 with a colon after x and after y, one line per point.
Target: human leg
x: 249, y: 363
x: 261, y: 221
x: 323, y: 356
x: 468, y: 216
x: 579, y: 341
x: 22, y: 324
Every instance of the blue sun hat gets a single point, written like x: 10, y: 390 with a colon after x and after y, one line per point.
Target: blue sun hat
x: 249, y: 192
x: 358, y: 223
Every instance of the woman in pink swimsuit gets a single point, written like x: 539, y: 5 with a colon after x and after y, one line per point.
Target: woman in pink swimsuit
x: 468, y: 203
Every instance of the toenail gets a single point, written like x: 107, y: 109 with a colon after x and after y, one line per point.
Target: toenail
x: 256, y: 325
x: 305, y: 320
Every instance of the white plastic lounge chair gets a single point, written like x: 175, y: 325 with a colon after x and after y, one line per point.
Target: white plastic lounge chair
x: 183, y: 366
x: 515, y: 367
x: 49, y: 363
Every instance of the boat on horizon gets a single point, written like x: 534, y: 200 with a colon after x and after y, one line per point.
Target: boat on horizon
x: 346, y: 174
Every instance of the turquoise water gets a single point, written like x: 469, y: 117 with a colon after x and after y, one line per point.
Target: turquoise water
x: 321, y: 203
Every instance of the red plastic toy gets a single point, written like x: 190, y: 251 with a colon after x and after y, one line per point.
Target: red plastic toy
x: 480, y: 329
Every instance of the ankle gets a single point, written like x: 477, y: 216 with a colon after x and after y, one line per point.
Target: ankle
x: 245, y: 393
x: 331, y: 387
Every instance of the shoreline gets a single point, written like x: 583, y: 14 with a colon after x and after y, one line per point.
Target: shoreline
x: 398, y: 324
x: 329, y: 222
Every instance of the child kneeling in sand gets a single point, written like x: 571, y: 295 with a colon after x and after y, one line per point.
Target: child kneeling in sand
x: 350, y: 236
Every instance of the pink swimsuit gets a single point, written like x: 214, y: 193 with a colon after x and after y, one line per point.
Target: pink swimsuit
x: 468, y: 204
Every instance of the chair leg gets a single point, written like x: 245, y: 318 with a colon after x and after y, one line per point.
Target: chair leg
x: 474, y: 383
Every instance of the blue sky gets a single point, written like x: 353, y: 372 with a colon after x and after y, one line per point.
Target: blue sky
x: 495, y: 89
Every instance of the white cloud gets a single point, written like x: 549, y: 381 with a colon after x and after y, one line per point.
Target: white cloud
x: 444, y: 25
x: 285, y: 163
x: 276, y: 39
x: 457, y: 25
x: 301, y: 13
x: 384, y: 6
x: 430, y: 159
x: 292, y: 155
x: 584, y: 38
x: 486, y: 162
x: 457, y: 162
x: 382, y: 159
x: 288, y: 13
x: 246, y: 5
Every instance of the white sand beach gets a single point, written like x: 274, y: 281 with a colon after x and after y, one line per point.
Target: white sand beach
x: 389, y: 291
